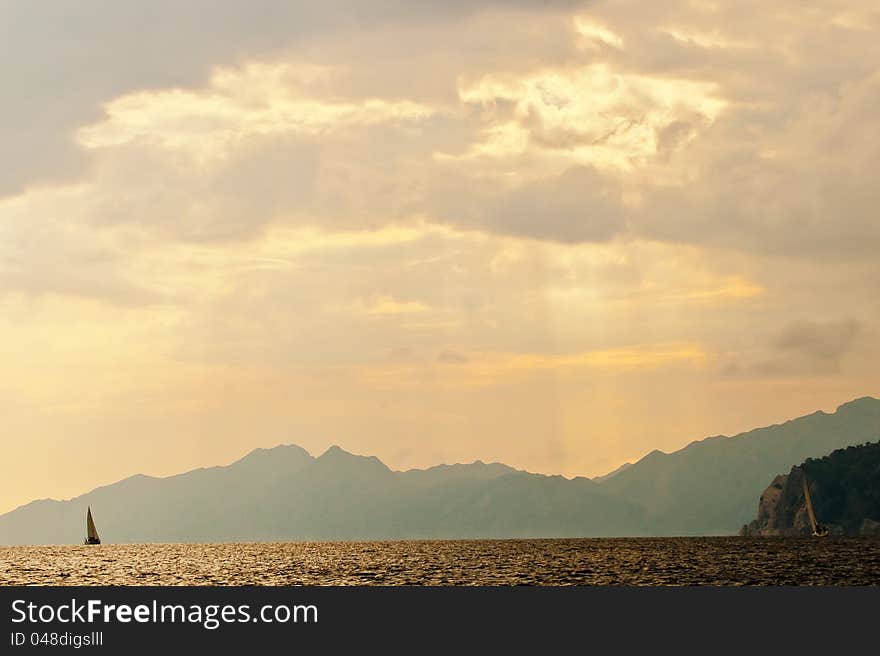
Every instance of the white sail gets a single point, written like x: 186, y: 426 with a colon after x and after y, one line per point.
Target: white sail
x: 813, y: 522
x: 819, y: 531
x: 91, y: 531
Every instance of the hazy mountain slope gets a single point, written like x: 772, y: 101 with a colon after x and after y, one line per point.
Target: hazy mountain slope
x: 286, y: 494
x: 709, y: 487
x: 443, y: 473
x: 525, y: 505
x: 612, y: 473
x: 201, y: 503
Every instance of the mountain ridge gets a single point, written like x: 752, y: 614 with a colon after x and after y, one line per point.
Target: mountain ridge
x: 335, y: 496
x: 710, y: 483
x: 285, y: 493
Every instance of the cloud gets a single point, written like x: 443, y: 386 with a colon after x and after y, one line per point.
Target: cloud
x: 805, y: 348
x: 60, y: 64
x: 783, y: 169
x: 799, y: 189
x: 595, y: 115
x: 487, y: 369
x: 597, y: 35
x: 448, y: 356
x: 387, y: 305
x: 256, y: 100
x: 827, y: 341
x: 470, y: 221
x: 578, y: 205
x: 554, y: 142
x: 46, y: 249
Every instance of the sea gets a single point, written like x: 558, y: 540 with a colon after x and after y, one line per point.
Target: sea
x: 588, y: 561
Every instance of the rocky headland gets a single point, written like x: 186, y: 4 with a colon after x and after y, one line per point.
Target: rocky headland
x: 844, y: 487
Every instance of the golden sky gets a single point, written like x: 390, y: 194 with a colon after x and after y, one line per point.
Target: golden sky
x: 554, y: 234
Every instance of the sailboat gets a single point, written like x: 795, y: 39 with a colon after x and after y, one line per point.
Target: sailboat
x: 91, y: 531
x: 819, y: 531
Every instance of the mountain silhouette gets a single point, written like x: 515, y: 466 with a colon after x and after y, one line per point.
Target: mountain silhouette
x: 286, y: 494
x: 709, y: 487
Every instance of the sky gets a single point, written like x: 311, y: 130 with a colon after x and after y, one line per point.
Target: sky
x: 555, y: 234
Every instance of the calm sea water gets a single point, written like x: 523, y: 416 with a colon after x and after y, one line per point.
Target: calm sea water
x: 640, y: 561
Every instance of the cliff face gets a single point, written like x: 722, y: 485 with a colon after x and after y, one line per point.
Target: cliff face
x: 844, y: 487
x: 782, y: 508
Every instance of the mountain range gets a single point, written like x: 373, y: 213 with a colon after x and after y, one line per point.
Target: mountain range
x: 709, y: 487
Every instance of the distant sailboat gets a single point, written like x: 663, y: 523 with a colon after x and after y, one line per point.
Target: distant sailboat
x: 91, y: 531
x: 819, y: 531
